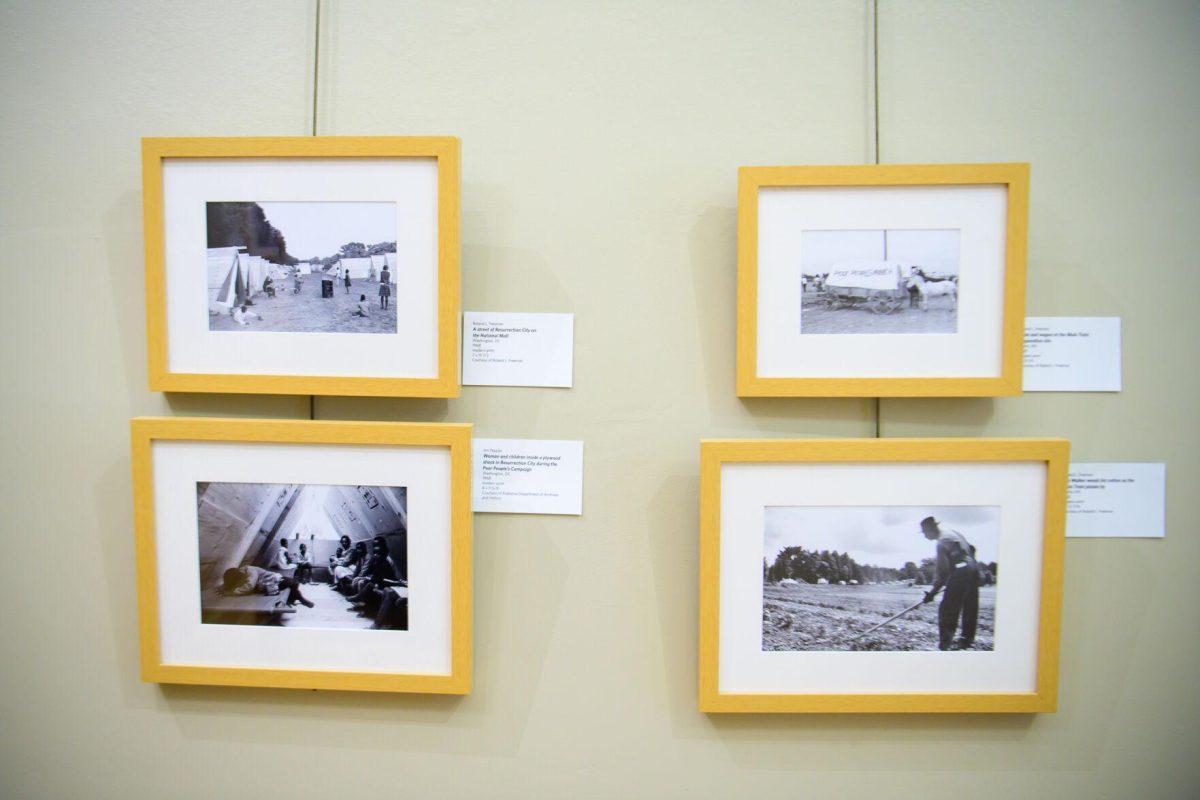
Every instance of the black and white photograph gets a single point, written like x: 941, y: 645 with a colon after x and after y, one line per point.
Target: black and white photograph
x: 879, y: 281
x: 303, y: 555
x: 841, y: 578
x: 302, y: 267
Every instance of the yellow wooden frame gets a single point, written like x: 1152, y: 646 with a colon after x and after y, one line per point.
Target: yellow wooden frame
x: 750, y: 179
x: 456, y: 437
x: 445, y: 149
x: 714, y: 453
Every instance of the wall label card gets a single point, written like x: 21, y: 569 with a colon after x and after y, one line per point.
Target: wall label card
x: 1072, y: 354
x: 1117, y: 500
x: 512, y: 349
x: 528, y: 476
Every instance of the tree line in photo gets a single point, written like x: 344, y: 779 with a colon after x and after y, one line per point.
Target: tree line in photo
x: 830, y: 566
x: 355, y: 250
x: 246, y: 225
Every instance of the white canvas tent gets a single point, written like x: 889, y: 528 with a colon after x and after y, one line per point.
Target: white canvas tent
x: 256, y: 272
x: 226, y: 278
x: 304, y: 268
x: 384, y: 259
x: 359, y: 268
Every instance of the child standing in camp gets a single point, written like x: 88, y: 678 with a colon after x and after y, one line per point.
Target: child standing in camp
x: 346, y: 280
x: 363, y: 309
x: 385, y: 287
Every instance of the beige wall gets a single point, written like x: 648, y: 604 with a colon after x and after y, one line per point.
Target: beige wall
x: 600, y: 144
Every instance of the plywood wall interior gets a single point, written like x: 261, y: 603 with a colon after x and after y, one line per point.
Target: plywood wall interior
x: 231, y: 518
x: 353, y: 515
x: 600, y: 148
x: 317, y: 516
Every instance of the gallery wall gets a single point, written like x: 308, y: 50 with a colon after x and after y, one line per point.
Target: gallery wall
x: 600, y: 147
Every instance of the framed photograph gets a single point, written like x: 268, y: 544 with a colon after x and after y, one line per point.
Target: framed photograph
x: 881, y: 575
x: 305, y: 555
x: 303, y: 265
x: 881, y: 281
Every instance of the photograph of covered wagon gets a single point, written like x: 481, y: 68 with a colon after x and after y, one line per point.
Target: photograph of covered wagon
x: 881, y: 286
x: 878, y: 281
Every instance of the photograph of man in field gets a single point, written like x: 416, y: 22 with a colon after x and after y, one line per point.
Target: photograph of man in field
x: 880, y: 577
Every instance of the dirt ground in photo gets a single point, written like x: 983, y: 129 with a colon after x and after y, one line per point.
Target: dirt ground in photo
x: 815, y: 317
x: 308, y: 312
x: 825, y: 616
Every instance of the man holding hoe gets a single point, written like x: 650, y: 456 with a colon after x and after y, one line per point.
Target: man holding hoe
x: 957, y: 572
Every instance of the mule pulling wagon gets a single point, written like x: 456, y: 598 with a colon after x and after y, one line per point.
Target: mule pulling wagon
x: 880, y: 286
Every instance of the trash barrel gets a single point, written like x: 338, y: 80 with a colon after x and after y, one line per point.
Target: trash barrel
x: 326, y: 287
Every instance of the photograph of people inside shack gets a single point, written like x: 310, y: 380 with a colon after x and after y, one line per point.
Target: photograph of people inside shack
x: 303, y: 555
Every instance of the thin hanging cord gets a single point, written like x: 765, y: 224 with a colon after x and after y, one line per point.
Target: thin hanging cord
x: 873, y: 11
x: 316, y: 77
x: 875, y: 78
x: 316, y: 66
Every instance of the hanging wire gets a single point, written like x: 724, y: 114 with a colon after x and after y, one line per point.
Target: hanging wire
x: 316, y: 77
x: 873, y: 12
x: 316, y: 73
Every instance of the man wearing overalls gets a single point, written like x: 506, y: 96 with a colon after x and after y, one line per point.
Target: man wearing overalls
x: 957, y: 571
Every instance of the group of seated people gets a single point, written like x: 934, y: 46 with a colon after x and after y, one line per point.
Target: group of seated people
x: 366, y: 574
x: 369, y: 577
x: 284, y: 562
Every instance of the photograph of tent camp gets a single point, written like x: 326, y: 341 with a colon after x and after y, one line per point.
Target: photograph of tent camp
x: 302, y: 267
x: 303, y: 555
